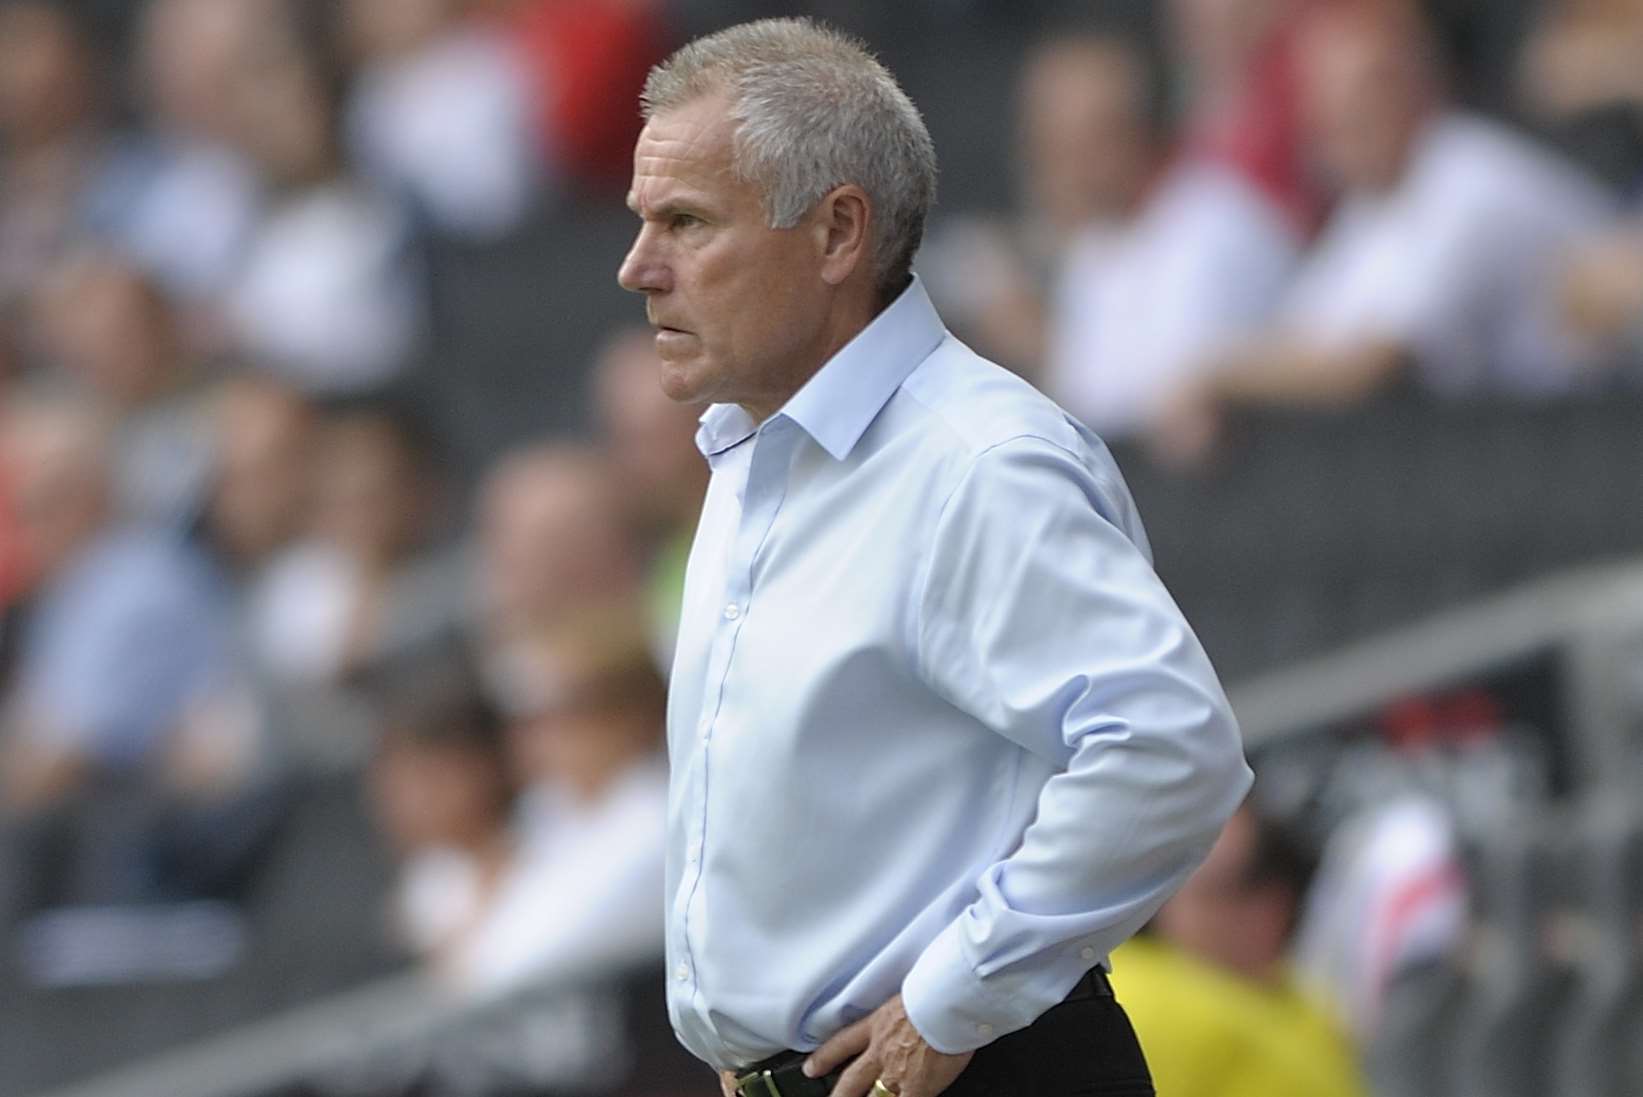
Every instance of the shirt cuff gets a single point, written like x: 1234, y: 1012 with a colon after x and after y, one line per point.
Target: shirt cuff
x: 952, y: 1007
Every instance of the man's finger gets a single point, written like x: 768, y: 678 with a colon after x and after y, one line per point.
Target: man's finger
x: 858, y: 1078
x: 844, y: 1044
x: 727, y: 1083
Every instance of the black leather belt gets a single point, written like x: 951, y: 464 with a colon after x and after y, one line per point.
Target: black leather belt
x: 782, y: 1075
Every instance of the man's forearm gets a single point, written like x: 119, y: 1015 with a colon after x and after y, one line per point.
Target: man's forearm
x: 1298, y: 373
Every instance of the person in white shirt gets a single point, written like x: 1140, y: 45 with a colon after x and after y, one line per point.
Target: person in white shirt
x: 1138, y: 307
x: 328, y: 295
x: 1128, y: 263
x: 441, y: 111
x: 940, y: 739
x: 191, y: 222
x: 1441, y: 259
x: 532, y: 839
x: 584, y: 898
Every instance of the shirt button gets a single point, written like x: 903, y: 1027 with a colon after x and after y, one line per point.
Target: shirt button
x: 732, y: 611
x: 984, y: 1030
x: 682, y: 973
x: 1088, y: 953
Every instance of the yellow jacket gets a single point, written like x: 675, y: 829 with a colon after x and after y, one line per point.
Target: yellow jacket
x: 1209, y: 1033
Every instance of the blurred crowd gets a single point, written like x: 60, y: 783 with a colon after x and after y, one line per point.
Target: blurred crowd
x: 1309, y: 219
x: 232, y: 551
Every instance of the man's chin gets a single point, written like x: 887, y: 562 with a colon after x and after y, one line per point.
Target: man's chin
x: 682, y: 383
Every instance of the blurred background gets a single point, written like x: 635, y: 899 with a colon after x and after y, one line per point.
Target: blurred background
x: 342, y: 522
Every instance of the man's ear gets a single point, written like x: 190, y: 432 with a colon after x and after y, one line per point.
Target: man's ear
x: 843, y: 229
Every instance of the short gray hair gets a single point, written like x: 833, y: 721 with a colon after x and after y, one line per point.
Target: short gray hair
x: 814, y: 110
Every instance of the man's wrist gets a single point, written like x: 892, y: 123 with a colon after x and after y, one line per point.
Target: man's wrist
x: 950, y: 1005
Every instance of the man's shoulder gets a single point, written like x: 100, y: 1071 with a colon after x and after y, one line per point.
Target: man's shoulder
x: 1472, y: 161
x: 974, y: 405
x: 140, y: 571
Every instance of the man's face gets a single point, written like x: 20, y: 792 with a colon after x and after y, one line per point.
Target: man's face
x: 1220, y: 917
x: 1220, y: 36
x: 44, y: 72
x: 736, y: 304
x: 57, y: 500
x: 1362, y: 101
x: 551, y: 541
x: 1084, y: 133
x: 264, y: 475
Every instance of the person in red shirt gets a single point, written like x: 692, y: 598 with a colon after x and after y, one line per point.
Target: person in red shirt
x: 588, y: 61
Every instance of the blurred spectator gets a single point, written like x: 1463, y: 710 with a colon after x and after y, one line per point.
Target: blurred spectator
x: 587, y: 60
x: 554, y: 548
x: 12, y: 565
x: 61, y: 177
x: 651, y: 443
x: 1582, y: 81
x: 572, y: 888
x: 1237, y: 62
x: 127, y: 697
x: 191, y: 221
x: 1141, y: 301
x: 1442, y: 256
x: 327, y: 294
x: 1603, y: 291
x: 1088, y: 146
x: 1129, y: 265
x: 1390, y: 897
x: 584, y: 736
x: 1209, y: 989
x: 264, y: 468
x: 370, y: 580
x: 442, y: 797
x: 441, y: 112
x: 116, y: 337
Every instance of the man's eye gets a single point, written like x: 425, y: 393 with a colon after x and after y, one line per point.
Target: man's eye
x: 686, y: 220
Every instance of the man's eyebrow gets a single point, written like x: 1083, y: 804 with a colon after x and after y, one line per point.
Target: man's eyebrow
x: 670, y: 206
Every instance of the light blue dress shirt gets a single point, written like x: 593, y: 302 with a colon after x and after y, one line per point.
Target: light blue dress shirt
x: 935, y: 725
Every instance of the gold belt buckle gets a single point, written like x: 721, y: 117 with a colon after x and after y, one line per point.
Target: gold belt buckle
x: 745, y: 1086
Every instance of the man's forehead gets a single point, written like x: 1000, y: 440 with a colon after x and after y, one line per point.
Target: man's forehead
x: 689, y: 145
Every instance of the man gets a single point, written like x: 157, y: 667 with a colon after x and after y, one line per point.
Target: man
x: 554, y: 544
x: 1086, y: 151
x: 112, y: 331
x: 132, y: 755
x: 1440, y: 261
x: 264, y: 471
x: 1215, y: 1003
x: 1130, y: 259
x: 939, y: 738
x: 1200, y: 256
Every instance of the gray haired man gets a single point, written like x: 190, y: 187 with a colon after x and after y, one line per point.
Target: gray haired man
x: 940, y: 740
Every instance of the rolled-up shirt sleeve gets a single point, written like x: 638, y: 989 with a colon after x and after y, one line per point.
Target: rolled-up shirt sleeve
x: 1038, y: 614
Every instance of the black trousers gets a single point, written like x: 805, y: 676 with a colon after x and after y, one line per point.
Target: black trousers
x: 1082, y: 1048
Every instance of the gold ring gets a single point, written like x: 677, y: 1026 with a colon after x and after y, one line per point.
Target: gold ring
x: 882, y: 1090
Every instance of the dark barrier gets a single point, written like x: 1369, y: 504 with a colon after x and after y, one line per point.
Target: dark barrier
x: 313, y: 927
x: 1309, y: 531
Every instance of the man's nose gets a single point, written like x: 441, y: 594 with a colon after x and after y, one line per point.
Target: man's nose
x: 642, y: 271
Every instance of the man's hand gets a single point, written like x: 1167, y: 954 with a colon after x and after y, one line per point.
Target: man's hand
x: 727, y: 1082
x: 886, y: 1045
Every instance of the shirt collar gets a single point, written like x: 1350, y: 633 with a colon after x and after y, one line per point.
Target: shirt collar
x: 836, y: 406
